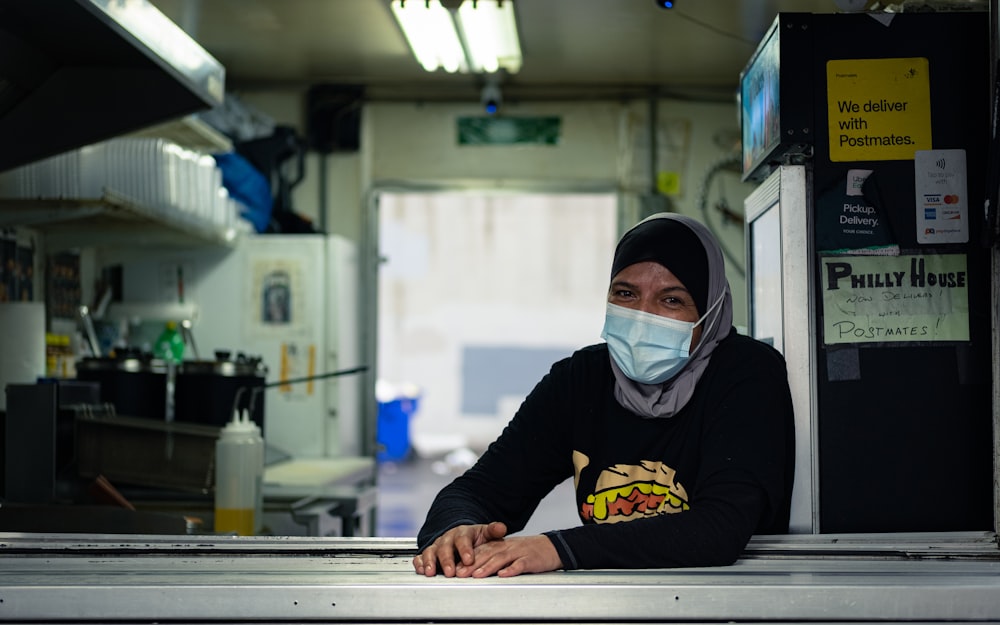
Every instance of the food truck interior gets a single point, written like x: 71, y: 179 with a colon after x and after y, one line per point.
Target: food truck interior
x: 193, y: 236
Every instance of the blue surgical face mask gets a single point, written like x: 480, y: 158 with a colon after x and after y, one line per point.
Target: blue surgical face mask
x: 648, y: 348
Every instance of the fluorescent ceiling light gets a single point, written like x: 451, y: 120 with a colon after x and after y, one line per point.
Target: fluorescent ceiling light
x: 490, y: 35
x: 430, y: 31
x: 486, y: 27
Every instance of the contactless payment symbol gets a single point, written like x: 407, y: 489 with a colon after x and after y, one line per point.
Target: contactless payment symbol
x: 941, y: 211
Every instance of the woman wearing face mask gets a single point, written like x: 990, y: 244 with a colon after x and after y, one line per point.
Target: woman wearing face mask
x: 677, y: 432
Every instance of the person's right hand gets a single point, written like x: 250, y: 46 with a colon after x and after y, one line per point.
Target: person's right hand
x: 461, y: 540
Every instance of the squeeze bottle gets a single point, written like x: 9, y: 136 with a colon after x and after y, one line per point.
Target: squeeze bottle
x: 239, y: 474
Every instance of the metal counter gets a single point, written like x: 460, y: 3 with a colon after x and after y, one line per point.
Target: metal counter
x: 91, y: 579
x: 312, y: 497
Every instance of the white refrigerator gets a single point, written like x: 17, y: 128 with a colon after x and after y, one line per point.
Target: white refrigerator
x: 780, y: 313
x: 289, y: 299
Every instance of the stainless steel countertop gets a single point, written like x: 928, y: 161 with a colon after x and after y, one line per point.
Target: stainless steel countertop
x: 265, y: 579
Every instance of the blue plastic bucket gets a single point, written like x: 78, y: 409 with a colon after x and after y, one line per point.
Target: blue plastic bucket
x: 393, y: 429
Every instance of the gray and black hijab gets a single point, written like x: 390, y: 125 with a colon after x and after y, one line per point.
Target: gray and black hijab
x: 691, y: 252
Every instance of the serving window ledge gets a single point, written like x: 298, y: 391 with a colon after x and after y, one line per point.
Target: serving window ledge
x: 195, y: 579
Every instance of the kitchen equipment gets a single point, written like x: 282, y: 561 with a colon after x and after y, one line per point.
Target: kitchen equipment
x: 321, y: 335
x: 208, y: 391
x: 38, y: 440
x: 129, y: 67
x: 132, y: 381
x: 144, y: 452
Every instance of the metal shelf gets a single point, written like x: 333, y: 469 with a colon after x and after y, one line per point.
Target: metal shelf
x: 111, y: 220
x: 190, y: 132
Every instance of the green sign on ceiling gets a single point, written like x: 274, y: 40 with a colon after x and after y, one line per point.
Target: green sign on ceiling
x: 508, y: 130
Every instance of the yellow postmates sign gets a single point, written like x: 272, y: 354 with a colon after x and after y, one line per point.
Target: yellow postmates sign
x: 879, y: 109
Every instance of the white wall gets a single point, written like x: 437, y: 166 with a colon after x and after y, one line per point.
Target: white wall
x: 418, y: 142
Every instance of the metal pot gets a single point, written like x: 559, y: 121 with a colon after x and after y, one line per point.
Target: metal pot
x: 133, y: 382
x: 207, y: 391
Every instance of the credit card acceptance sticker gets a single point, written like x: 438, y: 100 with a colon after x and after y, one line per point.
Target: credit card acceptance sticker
x: 942, y: 198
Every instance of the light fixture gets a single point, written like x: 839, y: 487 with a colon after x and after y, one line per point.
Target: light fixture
x: 477, y: 36
x: 490, y: 35
x: 430, y: 31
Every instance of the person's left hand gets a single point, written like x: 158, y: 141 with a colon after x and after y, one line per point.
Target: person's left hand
x: 512, y: 556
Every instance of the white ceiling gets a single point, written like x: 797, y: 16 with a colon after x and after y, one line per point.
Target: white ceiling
x: 572, y: 48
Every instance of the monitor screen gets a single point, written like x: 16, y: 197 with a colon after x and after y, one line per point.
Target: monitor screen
x: 760, y: 103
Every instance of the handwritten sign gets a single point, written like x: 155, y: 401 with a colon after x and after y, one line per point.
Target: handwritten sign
x: 878, y: 109
x: 895, y: 299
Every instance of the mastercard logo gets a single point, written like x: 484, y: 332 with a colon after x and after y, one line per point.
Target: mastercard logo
x: 951, y: 199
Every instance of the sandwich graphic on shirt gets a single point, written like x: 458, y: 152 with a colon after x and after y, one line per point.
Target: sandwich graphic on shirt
x: 625, y: 492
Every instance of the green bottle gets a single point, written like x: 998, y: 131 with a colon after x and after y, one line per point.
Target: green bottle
x: 169, y: 345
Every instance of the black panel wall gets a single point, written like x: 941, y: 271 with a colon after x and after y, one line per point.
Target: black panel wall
x: 905, y: 438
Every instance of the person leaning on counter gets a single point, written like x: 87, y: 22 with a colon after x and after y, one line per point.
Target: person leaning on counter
x: 677, y: 430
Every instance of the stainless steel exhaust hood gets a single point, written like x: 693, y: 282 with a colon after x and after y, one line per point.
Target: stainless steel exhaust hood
x: 73, y: 72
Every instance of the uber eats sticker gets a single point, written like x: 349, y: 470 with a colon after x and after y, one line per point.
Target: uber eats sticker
x: 880, y: 299
x: 878, y: 109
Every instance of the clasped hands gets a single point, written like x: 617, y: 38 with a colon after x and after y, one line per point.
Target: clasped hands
x: 485, y: 550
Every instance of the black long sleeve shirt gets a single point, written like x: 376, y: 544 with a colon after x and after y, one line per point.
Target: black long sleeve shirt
x: 688, y: 490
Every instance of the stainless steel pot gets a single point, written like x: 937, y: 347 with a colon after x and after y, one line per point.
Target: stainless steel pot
x: 133, y: 382
x: 207, y: 391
